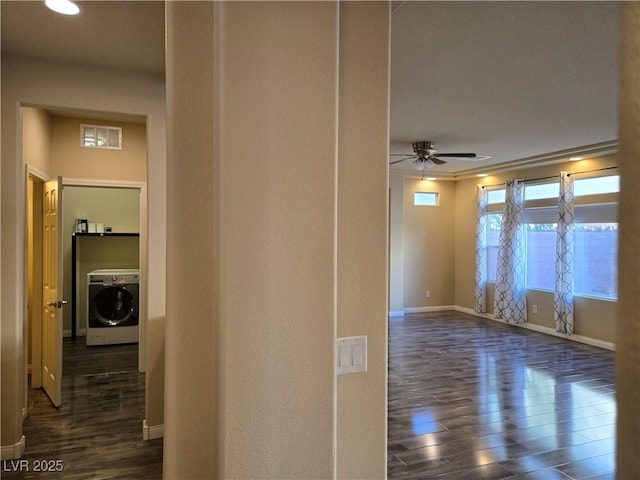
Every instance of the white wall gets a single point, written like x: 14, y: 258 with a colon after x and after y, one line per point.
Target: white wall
x: 26, y: 82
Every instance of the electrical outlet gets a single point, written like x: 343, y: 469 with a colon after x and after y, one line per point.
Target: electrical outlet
x: 427, y: 294
x: 534, y: 308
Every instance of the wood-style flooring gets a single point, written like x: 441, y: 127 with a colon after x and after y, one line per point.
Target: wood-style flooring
x: 471, y: 398
x: 97, y: 431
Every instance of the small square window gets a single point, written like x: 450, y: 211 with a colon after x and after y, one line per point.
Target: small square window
x: 426, y: 198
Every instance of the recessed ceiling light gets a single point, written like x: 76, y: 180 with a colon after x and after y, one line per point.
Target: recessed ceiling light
x: 431, y: 178
x: 482, y: 174
x: 574, y: 159
x: 65, y: 7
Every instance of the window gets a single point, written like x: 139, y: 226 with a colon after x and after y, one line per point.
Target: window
x: 98, y: 136
x: 595, y: 237
x: 496, y: 196
x: 541, y: 255
x: 494, y: 225
x: 541, y: 191
x: 426, y: 198
x: 596, y: 185
x: 596, y: 253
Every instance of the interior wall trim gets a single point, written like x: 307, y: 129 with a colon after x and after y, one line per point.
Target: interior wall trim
x: 12, y: 452
x: 594, y: 342
x: 440, y: 308
x: 151, y: 432
x: 396, y: 313
x: 68, y: 333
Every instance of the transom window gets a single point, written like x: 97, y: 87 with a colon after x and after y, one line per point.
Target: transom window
x: 426, y: 199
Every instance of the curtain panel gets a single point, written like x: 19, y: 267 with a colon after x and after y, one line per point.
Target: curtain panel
x: 481, y: 249
x: 510, y: 291
x: 563, y: 296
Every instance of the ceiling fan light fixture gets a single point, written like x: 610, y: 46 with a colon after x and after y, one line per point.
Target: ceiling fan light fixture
x: 422, y: 164
x: 65, y: 7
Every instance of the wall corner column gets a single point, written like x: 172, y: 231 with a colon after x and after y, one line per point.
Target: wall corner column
x: 628, y: 320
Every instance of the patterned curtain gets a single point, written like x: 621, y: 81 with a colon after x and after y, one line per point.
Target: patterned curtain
x: 563, y: 297
x: 510, y: 293
x: 481, y: 249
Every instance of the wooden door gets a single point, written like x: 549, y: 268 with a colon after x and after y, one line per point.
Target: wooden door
x: 52, y: 291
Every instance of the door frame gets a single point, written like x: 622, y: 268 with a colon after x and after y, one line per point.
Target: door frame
x: 36, y: 343
x: 36, y: 307
x: 142, y: 245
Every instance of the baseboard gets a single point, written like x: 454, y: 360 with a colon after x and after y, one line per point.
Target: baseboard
x: 79, y: 333
x: 440, y: 308
x: 396, y: 313
x: 13, y: 452
x: 153, y: 432
x: 594, y: 342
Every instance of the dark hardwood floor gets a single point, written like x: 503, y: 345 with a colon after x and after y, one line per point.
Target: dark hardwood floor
x: 97, y: 432
x: 471, y: 398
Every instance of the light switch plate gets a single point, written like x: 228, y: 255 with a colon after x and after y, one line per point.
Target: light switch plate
x: 351, y: 355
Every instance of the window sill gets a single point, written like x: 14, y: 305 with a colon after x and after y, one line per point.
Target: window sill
x: 595, y: 297
x: 575, y: 295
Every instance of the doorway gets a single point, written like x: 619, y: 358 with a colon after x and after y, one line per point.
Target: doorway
x: 61, y: 124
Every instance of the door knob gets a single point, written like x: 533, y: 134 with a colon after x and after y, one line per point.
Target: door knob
x: 57, y: 303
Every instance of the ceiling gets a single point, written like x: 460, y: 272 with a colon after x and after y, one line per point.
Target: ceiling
x: 523, y: 82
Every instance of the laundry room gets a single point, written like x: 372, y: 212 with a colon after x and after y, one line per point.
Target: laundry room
x: 101, y: 234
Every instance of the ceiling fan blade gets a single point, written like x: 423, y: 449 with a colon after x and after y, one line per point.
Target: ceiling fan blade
x: 401, y: 155
x: 437, y: 161
x: 459, y: 155
x: 401, y: 160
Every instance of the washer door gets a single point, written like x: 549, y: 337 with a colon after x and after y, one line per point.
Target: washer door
x: 114, y: 306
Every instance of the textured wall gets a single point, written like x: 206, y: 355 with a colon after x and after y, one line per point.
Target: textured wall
x: 628, y: 342
x: 363, y: 198
x: 253, y: 290
x: 69, y: 159
x: 429, y: 245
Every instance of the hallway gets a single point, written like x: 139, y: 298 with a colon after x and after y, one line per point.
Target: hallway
x: 471, y: 398
x: 97, y: 432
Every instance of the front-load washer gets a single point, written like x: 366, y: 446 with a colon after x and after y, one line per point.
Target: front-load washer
x: 113, y: 306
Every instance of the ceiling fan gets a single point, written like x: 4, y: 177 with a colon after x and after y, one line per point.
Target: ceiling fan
x: 425, y: 156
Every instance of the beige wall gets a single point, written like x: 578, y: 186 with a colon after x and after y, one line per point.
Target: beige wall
x: 115, y: 207
x: 263, y: 319
x: 362, y: 234
x: 396, y: 245
x: 69, y: 159
x: 429, y: 245
x: 192, y: 402
x: 36, y: 144
x: 28, y: 82
x: 628, y: 318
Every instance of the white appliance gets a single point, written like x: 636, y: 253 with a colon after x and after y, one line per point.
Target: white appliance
x: 113, y: 306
